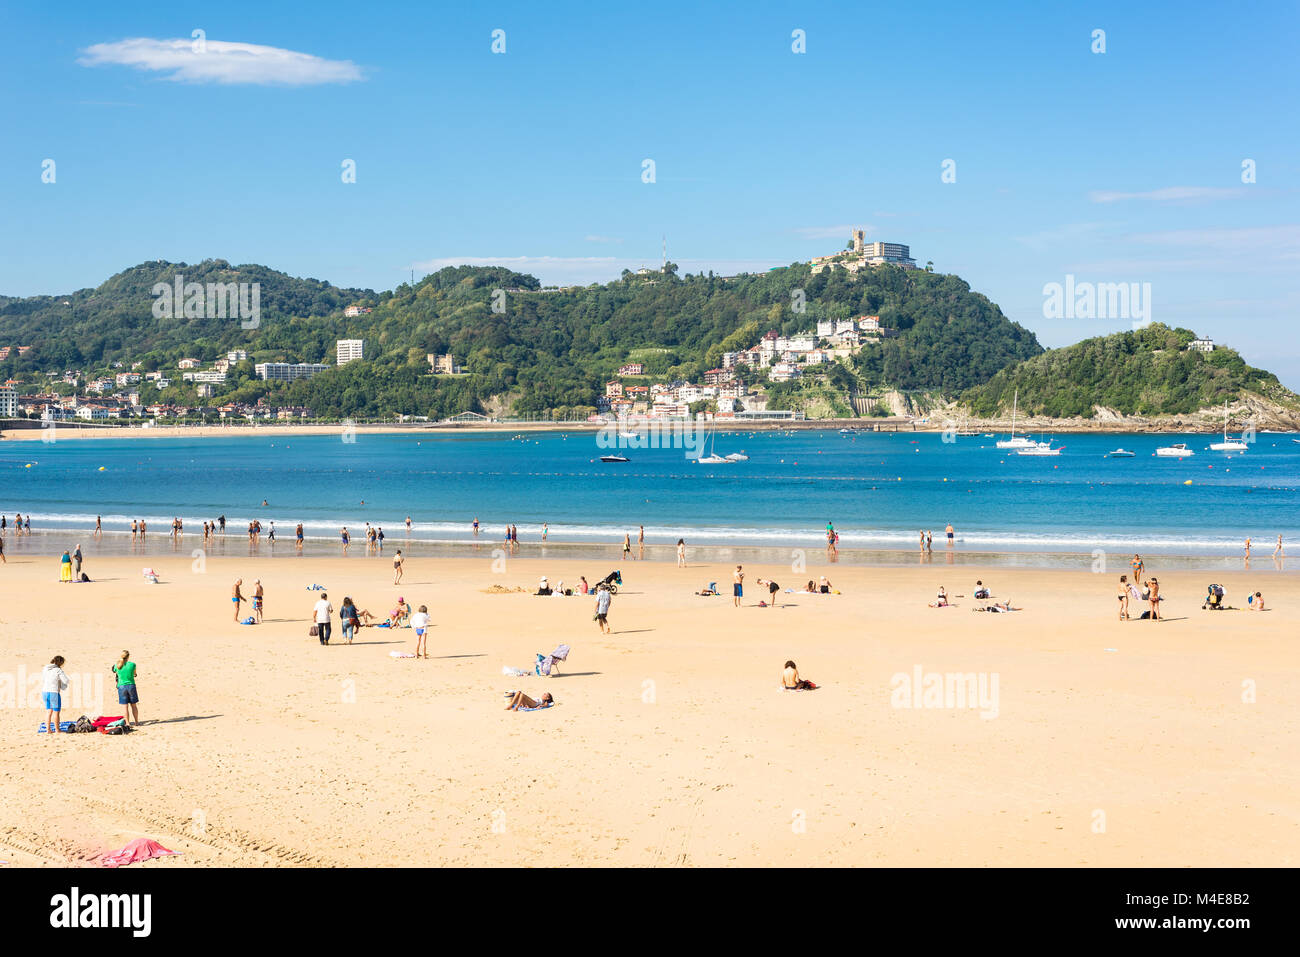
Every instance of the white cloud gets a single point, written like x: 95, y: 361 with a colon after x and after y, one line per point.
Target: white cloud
x: 221, y: 62
x: 1170, y: 194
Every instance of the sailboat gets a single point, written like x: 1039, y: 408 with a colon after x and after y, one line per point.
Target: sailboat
x: 1228, y: 445
x: 965, y: 427
x: 1015, y: 442
x: 712, y: 458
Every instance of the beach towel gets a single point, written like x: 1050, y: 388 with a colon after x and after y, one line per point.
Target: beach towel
x: 141, y: 849
x: 66, y: 726
x: 400, y: 654
x: 540, y: 707
x: 383, y: 624
x: 102, y: 722
x: 250, y: 620
x: 515, y: 672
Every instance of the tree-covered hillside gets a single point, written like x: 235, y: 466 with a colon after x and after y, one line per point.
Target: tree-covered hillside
x: 1150, y: 371
x: 532, y: 349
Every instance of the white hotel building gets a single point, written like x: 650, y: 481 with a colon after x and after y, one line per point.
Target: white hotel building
x: 349, y: 349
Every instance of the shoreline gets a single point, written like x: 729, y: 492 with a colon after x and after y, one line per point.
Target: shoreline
x: 48, y: 543
x: 1190, y: 426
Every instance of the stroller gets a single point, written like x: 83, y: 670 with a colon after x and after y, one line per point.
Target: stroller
x: 546, y: 663
x: 612, y: 581
x: 1214, y: 598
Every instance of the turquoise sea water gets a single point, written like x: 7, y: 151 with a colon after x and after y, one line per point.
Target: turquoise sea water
x: 878, y: 489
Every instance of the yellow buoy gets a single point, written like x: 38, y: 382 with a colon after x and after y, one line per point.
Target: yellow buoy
x: 1188, y: 482
x: 101, y: 468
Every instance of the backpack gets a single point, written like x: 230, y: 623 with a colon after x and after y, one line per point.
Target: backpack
x: 83, y: 725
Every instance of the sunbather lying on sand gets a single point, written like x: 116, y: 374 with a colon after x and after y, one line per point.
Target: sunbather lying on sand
x: 998, y: 606
x: 520, y: 701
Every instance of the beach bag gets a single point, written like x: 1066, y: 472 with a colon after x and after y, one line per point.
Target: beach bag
x: 116, y: 729
x: 83, y: 725
x: 313, y: 631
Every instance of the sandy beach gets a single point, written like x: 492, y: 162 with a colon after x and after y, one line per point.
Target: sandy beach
x: 1098, y: 743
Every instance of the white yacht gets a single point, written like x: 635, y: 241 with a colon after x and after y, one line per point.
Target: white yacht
x: 1040, y: 448
x: 1120, y: 454
x: 1177, y: 451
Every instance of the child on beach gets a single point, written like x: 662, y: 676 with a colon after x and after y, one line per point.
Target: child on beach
x: 126, y: 693
x: 53, y: 682
x: 1255, y: 602
x: 603, y: 598
x: 420, y: 622
x: 737, y: 586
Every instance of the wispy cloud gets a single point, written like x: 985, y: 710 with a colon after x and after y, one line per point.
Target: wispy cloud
x: 602, y: 239
x: 218, y: 61
x: 1171, y: 194
x: 831, y: 232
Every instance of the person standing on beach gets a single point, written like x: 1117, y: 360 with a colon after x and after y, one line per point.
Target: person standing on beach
x: 53, y: 683
x: 257, y: 599
x: 1247, y: 548
x: 65, y: 567
x: 1136, y: 566
x: 236, y: 596
x: 603, y: 598
x: 420, y: 623
x: 545, y: 528
x: 3, y: 560
x: 1277, y: 552
x: 322, y: 613
x: 76, y: 563
x: 270, y: 536
x: 476, y: 526
x: 221, y: 520
x: 298, y: 532
x: 343, y: 534
x: 126, y: 693
x: 408, y: 525
x: 627, y: 546
x: 397, y: 567
x: 681, y: 553
x: 640, y: 543
x: 135, y: 529
x: 379, y: 537
x: 737, y: 585
x: 1155, y: 599
x: 929, y: 540
x: 1123, y: 597
x: 99, y: 526
x: 950, y: 534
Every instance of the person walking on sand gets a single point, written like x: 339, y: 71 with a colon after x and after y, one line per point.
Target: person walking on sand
x: 257, y: 599
x: 99, y: 526
x: 681, y: 553
x: 949, y: 532
x: 602, y: 608
x: 737, y: 585
x: 236, y: 596
x: 1247, y: 548
x: 65, y: 567
x: 1277, y: 551
x: 545, y: 528
x: 627, y: 546
x: 397, y: 567
x: 126, y: 693
x: 347, y: 539
x: 322, y: 613
x: 1123, y: 597
x: 640, y: 542
x: 298, y: 535
x: 53, y: 684
x: 420, y: 624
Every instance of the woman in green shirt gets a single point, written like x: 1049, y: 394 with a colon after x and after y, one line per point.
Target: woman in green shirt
x: 126, y: 693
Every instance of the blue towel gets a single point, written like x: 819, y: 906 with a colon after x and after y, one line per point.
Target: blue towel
x: 63, y: 726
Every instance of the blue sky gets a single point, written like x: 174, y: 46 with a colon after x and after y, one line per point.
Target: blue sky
x: 1122, y: 166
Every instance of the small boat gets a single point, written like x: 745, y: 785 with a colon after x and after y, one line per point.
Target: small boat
x: 737, y: 457
x: 712, y: 460
x: 615, y: 458
x: 1228, y: 444
x: 1040, y: 448
x: 1176, y: 451
x: 1016, y: 441
x: 1120, y: 454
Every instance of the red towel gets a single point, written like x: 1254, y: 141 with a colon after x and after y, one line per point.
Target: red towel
x: 103, y: 722
x: 141, y: 849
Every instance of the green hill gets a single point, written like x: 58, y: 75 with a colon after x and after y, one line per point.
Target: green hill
x: 1148, y: 372
x: 536, y: 351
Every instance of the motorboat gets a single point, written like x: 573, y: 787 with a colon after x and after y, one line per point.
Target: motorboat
x: 1120, y: 454
x: 737, y: 457
x: 1040, y: 448
x: 1176, y: 451
x: 615, y: 458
